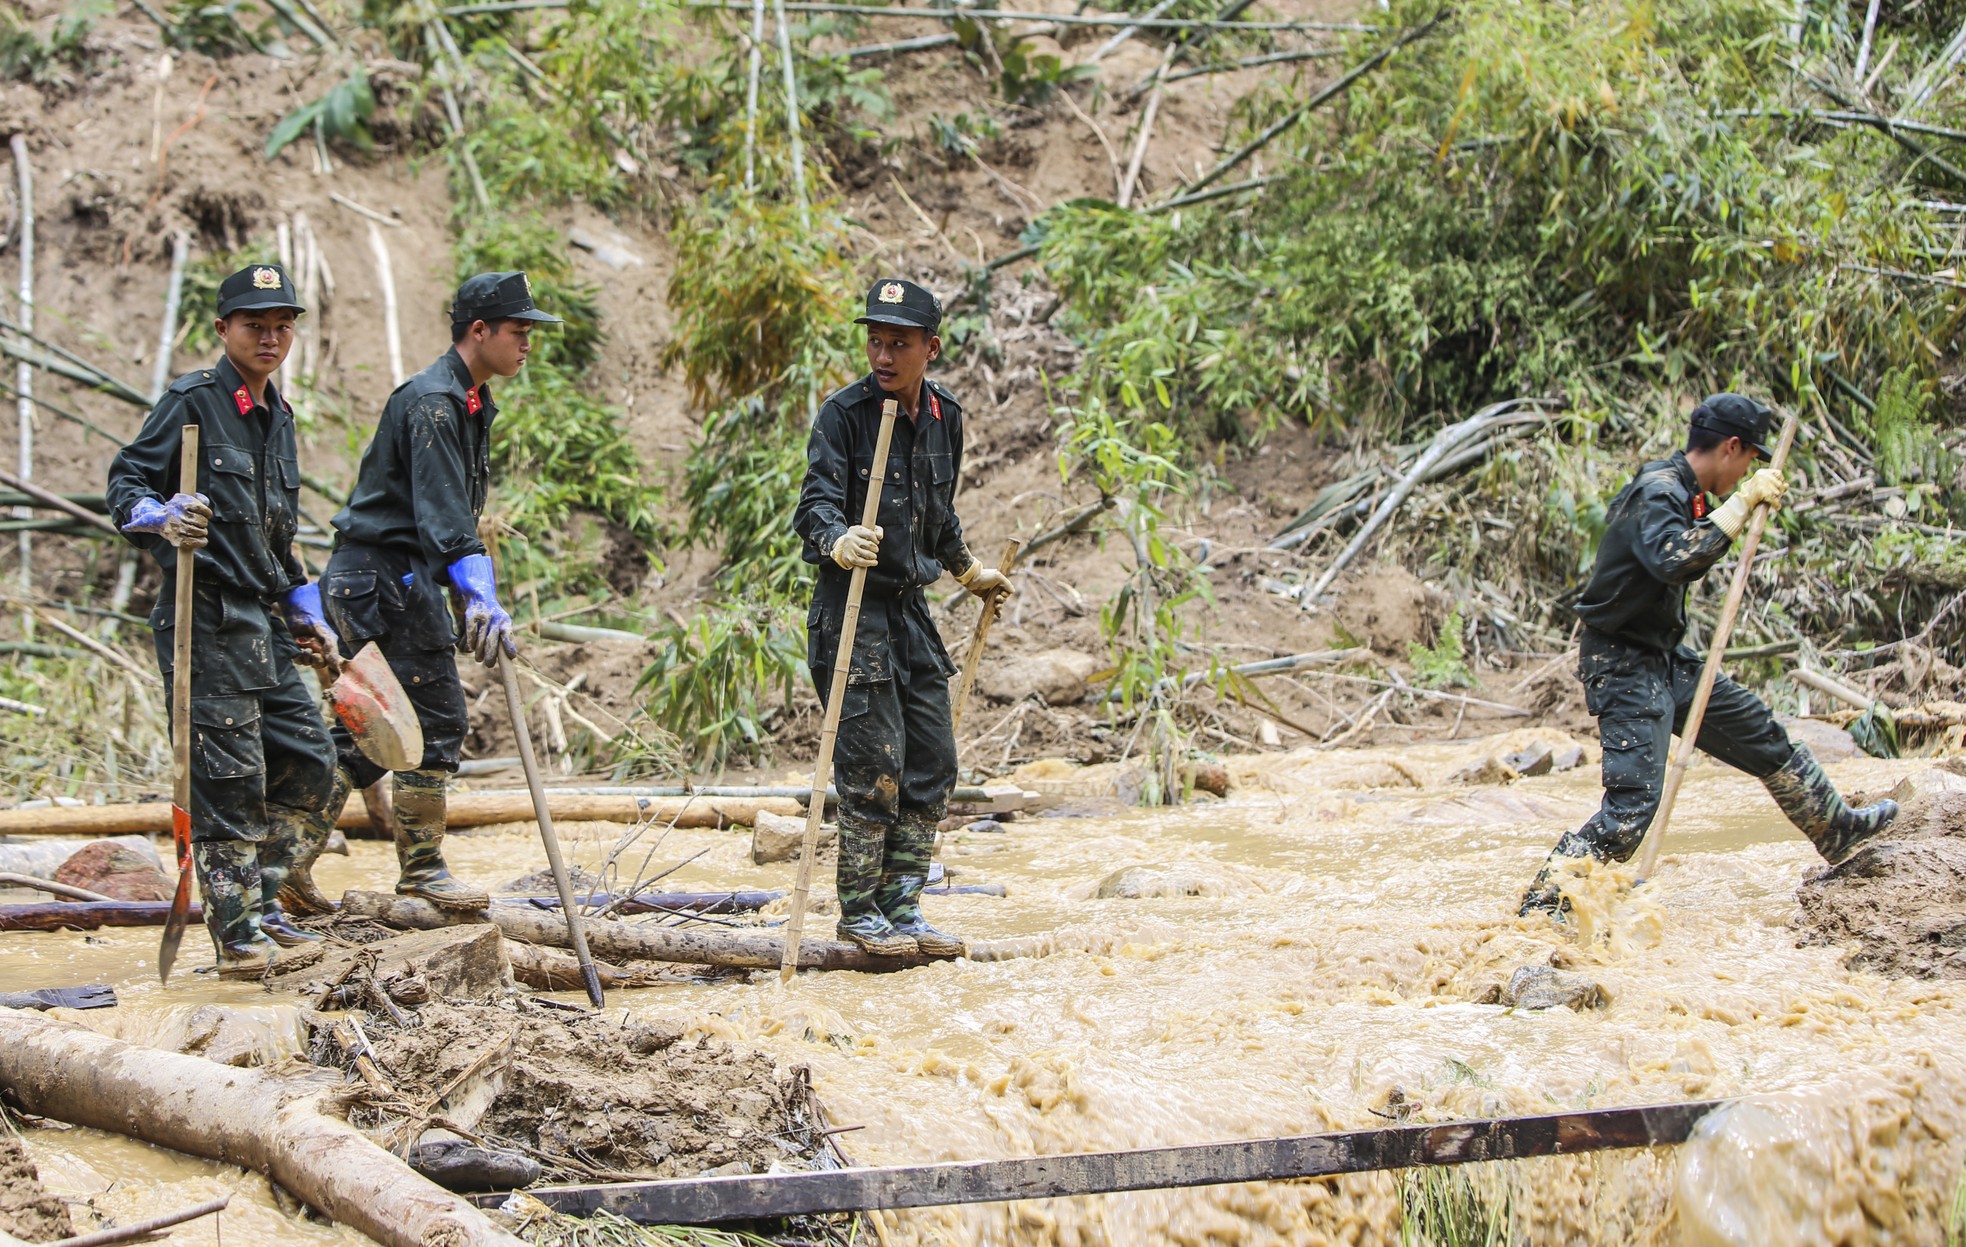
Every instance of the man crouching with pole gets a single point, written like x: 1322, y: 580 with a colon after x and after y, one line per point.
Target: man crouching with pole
x: 409, y: 530
x: 260, y: 759
x: 896, y: 760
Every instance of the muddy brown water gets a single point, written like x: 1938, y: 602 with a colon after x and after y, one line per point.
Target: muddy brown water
x: 1353, y: 906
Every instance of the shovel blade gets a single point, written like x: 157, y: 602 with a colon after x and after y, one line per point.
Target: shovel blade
x: 370, y: 702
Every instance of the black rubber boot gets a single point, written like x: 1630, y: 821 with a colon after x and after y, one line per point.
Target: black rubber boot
x: 228, y: 872
x: 296, y: 889
x: 1813, y: 804
x: 420, y: 805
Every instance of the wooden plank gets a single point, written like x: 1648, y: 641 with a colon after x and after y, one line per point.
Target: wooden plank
x: 92, y: 915
x: 700, y: 1201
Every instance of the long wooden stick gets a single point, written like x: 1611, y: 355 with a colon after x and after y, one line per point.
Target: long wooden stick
x: 187, y: 565
x: 160, y: 367
x: 974, y: 656
x: 829, y: 728
x: 1689, y: 735
x: 590, y: 973
x: 385, y: 277
x: 24, y: 374
x: 792, y: 114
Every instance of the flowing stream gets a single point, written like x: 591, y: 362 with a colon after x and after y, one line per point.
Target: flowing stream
x: 1334, y: 927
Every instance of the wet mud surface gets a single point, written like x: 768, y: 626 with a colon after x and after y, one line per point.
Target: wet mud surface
x: 27, y: 1210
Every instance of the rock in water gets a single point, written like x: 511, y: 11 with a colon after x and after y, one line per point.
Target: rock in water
x: 115, y: 871
x: 780, y: 837
x: 459, y: 1166
x: 1827, y: 741
x: 1540, y: 987
x: 1486, y: 771
x: 1535, y: 760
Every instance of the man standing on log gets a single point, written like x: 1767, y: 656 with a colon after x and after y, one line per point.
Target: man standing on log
x: 1639, y: 679
x: 896, y: 761
x: 411, y: 528
x: 260, y: 756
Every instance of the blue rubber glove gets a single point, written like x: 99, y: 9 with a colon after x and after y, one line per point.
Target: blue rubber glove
x: 487, y: 628
x: 319, y: 646
x: 183, y: 521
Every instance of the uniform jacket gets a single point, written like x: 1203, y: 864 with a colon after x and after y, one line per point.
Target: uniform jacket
x: 425, y: 475
x: 1657, y: 540
x: 248, y: 468
x: 921, y: 538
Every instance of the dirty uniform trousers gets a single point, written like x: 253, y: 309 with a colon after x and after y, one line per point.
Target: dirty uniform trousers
x: 894, y: 765
x: 365, y: 599
x: 1640, y: 697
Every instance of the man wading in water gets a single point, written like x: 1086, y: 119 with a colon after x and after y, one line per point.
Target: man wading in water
x: 896, y: 761
x: 409, y: 529
x: 260, y: 758
x: 1639, y: 679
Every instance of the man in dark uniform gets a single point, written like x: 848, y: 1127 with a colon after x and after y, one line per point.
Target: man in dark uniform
x: 410, y: 528
x: 1639, y: 679
x: 260, y: 756
x: 896, y: 759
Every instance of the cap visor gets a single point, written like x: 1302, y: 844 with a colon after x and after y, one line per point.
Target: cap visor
x: 891, y: 320
x: 262, y: 305
x: 534, y: 314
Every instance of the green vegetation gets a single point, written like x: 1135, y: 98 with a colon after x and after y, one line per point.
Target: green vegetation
x: 1466, y: 1206
x: 1444, y: 664
x: 49, y: 61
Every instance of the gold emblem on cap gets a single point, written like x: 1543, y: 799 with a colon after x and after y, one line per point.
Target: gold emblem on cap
x: 891, y: 292
x: 528, y: 281
x: 266, y: 279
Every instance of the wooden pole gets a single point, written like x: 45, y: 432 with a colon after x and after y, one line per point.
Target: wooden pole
x: 792, y: 114
x: 1147, y: 115
x: 1689, y: 735
x: 24, y: 372
x: 751, y: 95
x: 561, y: 884
x: 829, y: 729
x: 973, y: 657
x: 385, y: 276
x: 187, y: 564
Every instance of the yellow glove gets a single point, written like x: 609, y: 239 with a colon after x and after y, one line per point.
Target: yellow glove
x: 858, y: 547
x: 1768, y: 485
x: 983, y: 581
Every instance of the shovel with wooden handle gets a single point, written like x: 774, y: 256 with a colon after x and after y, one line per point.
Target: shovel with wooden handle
x: 1005, y: 562
x: 1696, y: 713
x: 829, y: 728
x: 590, y: 974
x: 187, y: 563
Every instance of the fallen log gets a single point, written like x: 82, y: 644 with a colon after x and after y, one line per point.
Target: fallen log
x: 466, y: 809
x: 620, y: 941
x: 243, y: 1117
x: 700, y: 1201
x: 91, y: 916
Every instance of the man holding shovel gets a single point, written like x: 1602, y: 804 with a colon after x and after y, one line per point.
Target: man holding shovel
x: 896, y: 762
x: 410, y: 529
x: 260, y: 758
x: 1639, y: 679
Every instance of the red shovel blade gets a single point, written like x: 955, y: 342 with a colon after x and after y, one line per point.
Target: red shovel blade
x: 174, y: 922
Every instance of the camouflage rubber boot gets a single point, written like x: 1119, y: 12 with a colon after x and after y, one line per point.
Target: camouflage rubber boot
x: 420, y: 844
x: 1814, y: 805
x: 290, y: 837
x: 904, y: 873
x: 228, y: 874
x: 858, y: 877
x: 298, y: 891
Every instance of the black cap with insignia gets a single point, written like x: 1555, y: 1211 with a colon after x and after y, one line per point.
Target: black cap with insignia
x: 497, y: 296
x: 257, y: 287
x: 891, y: 301
x: 1736, y: 415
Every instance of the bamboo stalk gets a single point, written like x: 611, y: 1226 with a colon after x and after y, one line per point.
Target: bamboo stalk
x: 751, y: 95
x: 385, y: 275
x: 1112, y: 45
x: 144, y: 1229
x: 23, y: 373
x: 1147, y: 115
x: 792, y: 114
x: 54, y: 501
x: 1689, y: 735
x: 14, y: 879
x: 160, y: 368
x: 946, y: 15
x: 1863, y: 48
x: 1006, y: 560
x: 1252, y: 62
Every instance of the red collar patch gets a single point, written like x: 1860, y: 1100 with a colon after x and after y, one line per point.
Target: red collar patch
x: 934, y: 405
x: 472, y: 403
x: 1699, y: 506
x: 244, y: 400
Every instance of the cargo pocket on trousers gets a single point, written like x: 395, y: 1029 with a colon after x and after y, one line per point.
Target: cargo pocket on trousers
x: 353, y: 605
x: 225, y: 737
x: 856, y: 701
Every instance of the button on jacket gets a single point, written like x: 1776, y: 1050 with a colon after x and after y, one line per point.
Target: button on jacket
x: 1657, y: 540
x: 424, y: 478
x: 921, y: 538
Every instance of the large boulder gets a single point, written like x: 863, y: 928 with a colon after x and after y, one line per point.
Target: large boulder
x: 1057, y: 675
x: 1827, y: 741
x: 780, y: 837
x: 116, y: 871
